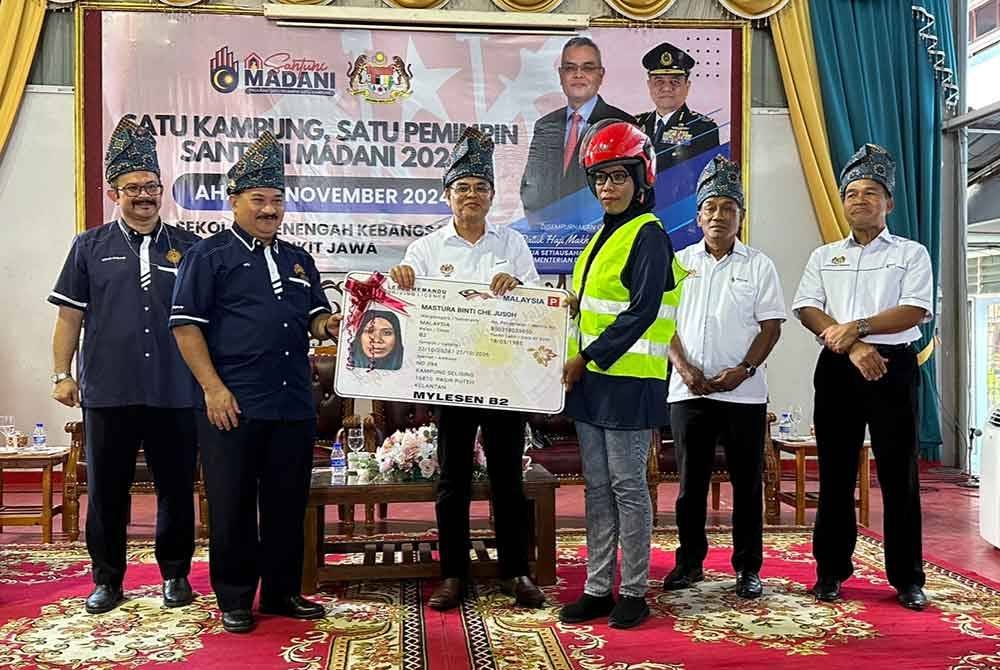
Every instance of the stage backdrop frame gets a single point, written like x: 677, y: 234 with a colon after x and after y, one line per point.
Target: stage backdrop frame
x: 91, y: 130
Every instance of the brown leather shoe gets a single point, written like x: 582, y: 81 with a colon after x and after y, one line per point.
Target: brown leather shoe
x: 525, y: 593
x: 448, y: 595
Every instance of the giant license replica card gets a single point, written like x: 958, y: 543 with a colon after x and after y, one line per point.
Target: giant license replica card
x: 452, y: 343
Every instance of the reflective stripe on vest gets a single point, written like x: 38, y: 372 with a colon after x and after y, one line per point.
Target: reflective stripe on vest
x: 616, y: 307
x: 604, y: 297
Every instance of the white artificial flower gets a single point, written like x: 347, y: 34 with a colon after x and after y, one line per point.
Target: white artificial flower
x: 427, y: 468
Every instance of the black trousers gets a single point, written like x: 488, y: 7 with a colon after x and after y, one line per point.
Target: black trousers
x: 113, y: 437
x: 503, y: 444
x: 845, y: 402
x: 258, y: 468
x: 698, y: 425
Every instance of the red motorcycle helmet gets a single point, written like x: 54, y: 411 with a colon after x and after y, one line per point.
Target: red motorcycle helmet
x: 617, y: 142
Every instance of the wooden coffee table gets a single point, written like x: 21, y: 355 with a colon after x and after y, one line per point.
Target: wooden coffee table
x: 379, y: 558
x: 33, y: 515
x: 801, y: 499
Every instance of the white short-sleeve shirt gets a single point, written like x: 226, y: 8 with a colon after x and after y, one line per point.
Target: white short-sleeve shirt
x: 850, y: 281
x: 445, y: 255
x: 722, y: 304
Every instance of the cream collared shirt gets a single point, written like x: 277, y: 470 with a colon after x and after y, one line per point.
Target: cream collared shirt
x: 445, y: 255
x: 722, y: 304
x: 849, y: 281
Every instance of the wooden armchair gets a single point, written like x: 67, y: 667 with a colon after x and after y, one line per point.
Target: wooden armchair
x: 558, y: 451
x: 772, y: 475
x: 75, y: 484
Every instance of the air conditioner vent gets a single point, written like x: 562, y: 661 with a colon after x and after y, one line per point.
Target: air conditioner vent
x: 994, y: 419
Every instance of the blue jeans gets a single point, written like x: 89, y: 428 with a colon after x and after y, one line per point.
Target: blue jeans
x: 618, y: 507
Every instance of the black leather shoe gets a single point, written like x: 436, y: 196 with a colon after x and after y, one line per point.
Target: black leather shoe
x: 748, y: 585
x: 912, y: 597
x: 238, y: 621
x: 104, y: 598
x: 525, y: 593
x: 295, y: 607
x: 586, y: 608
x: 826, y: 589
x: 447, y: 595
x: 682, y: 578
x: 177, y: 592
x: 629, y: 612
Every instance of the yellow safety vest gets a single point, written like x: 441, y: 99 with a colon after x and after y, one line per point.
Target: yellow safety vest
x: 605, y: 297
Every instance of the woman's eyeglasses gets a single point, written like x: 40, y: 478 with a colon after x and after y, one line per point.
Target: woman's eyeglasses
x: 617, y: 178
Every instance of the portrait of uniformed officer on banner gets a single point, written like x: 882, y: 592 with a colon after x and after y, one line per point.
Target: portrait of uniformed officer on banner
x: 677, y: 132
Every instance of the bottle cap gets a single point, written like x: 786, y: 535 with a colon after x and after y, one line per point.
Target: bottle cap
x: 336, y: 445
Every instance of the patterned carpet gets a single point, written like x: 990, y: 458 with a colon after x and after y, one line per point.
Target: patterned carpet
x: 383, y: 626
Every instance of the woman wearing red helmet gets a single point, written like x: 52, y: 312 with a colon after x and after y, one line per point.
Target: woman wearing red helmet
x: 615, y: 376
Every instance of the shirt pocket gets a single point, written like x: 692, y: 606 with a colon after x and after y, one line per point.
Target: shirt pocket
x: 298, y: 292
x: 111, y: 273
x: 498, y: 266
x: 885, y: 282
x: 743, y: 294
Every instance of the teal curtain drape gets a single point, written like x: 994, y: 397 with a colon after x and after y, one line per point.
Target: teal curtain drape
x: 885, y: 74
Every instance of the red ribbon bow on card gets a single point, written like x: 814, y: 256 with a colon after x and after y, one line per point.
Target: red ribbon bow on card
x: 363, y: 293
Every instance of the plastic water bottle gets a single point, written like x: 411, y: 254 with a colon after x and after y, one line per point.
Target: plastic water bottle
x: 338, y: 465
x: 785, y: 426
x: 38, y: 437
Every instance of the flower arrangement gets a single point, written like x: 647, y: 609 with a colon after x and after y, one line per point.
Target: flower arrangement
x: 411, y: 455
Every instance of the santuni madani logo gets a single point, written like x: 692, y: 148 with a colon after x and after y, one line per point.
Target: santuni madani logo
x: 281, y: 72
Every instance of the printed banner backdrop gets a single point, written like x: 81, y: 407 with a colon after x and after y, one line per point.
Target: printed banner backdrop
x: 368, y: 117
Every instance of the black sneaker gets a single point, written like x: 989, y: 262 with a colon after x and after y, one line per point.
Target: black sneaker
x: 629, y: 612
x: 586, y: 608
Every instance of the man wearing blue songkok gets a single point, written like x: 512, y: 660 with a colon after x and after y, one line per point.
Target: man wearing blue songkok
x: 134, y: 388
x: 245, y: 305
x: 728, y: 320
x: 863, y: 298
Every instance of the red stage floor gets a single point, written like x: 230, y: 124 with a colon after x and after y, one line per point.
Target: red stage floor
x: 950, y: 512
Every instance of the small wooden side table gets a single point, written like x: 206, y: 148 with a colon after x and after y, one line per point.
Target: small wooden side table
x: 802, y: 499
x: 33, y: 515
x: 416, y: 559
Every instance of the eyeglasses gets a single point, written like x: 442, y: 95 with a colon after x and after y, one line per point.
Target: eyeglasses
x: 617, y: 178
x: 573, y: 68
x: 465, y: 189
x: 133, y: 190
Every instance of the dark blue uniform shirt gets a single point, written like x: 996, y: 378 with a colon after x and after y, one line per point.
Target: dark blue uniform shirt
x: 254, y: 304
x: 128, y: 356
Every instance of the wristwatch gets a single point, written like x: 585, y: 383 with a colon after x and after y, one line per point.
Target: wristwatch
x: 749, y: 367
x: 864, y: 328
x: 59, y: 376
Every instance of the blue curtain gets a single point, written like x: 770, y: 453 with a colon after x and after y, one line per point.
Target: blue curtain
x: 885, y: 73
